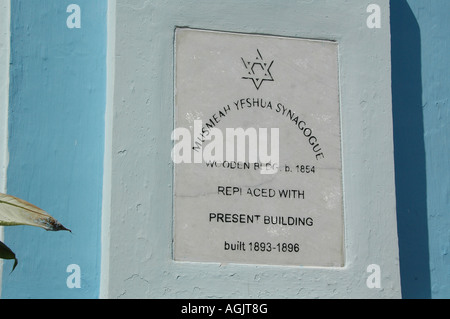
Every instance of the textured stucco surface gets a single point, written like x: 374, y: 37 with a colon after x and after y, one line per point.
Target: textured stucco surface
x: 139, y: 208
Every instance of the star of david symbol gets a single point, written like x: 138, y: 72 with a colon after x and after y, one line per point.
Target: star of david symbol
x: 258, y: 70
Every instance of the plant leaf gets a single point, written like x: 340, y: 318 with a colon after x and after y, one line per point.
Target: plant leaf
x: 6, y: 253
x: 15, y: 211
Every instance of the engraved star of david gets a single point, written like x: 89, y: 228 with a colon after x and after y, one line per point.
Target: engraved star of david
x: 258, y: 70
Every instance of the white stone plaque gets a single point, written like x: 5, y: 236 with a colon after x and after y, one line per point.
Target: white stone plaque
x: 257, y: 150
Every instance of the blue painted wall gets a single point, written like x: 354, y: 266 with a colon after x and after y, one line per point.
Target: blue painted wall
x: 421, y: 90
x: 56, y: 141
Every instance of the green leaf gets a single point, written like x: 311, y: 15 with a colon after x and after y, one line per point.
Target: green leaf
x: 6, y: 253
x: 16, y: 211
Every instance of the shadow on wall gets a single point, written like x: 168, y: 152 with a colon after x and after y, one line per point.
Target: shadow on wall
x: 410, y: 170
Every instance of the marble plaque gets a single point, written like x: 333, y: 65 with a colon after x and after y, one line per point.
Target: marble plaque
x: 257, y: 150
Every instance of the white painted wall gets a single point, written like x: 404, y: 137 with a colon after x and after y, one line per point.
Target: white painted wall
x: 137, y: 246
x: 4, y: 99
x: 107, y: 164
x: 4, y: 88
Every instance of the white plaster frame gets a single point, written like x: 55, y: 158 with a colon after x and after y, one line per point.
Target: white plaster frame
x: 137, y: 214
